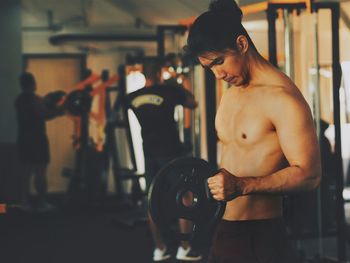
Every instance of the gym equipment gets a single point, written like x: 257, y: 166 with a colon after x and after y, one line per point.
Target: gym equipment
x: 117, y: 114
x: 78, y: 102
x: 53, y: 99
x: 180, y: 190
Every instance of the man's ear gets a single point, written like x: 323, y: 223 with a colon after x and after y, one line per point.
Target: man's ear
x: 242, y: 44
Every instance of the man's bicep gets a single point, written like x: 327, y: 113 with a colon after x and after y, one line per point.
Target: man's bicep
x: 296, y: 133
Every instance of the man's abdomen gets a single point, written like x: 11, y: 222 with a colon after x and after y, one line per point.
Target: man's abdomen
x: 253, y: 207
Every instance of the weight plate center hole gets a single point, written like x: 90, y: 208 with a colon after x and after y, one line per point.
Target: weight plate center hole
x: 189, y: 199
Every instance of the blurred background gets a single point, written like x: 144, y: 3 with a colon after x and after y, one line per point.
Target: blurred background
x: 94, y: 53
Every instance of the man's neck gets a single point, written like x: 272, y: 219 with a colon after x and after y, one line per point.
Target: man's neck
x: 260, y: 70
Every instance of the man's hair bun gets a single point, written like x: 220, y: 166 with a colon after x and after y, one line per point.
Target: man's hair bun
x: 227, y: 7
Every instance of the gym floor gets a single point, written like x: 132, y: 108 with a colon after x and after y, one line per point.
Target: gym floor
x: 93, y: 234
x: 69, y: 235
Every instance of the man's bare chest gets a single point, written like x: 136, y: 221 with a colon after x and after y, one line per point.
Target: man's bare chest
x: 244, y: 126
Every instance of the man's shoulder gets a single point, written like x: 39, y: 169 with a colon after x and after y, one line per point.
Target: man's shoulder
x: 279, y: 99
x: 276, y: 92
x: 135, y: 93
x: 169, y: 90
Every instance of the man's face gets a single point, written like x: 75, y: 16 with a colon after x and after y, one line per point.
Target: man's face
x: 228, y: 65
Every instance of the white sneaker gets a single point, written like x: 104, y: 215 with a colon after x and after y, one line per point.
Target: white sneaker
x: 161, y: 254
x: 187, y: 254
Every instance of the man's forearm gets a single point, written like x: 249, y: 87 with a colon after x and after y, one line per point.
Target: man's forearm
x: 288, y: 180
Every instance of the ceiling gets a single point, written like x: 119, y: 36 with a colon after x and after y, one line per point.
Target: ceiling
x: 110, y: 12
x: 162, y: 11
x: 57, y: 15
x: 62, y: 16
x: 108, y: 17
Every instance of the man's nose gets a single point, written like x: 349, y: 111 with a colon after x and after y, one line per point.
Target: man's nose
x: 219, y: 74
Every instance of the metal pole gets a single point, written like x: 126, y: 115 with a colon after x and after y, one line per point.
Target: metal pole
x: 197, y: 82
x: 160, y: 42
x: 210, y: 97
x: 271, y: 19
x: 288, y: 44
x: 126, y: 126
x: 317, y: 118
x: 341, y: 224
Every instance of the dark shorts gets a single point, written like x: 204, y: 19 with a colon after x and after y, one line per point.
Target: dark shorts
x: 153, y: 165
x: 35, y: 151
x: 154, y: 162
x: 255, y: 241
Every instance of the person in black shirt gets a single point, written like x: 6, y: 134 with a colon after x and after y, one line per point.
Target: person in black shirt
x: 154, y: 107
x: 32, y: 141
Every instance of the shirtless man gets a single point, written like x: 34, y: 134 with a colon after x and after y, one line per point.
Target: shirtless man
x: 270, y: 147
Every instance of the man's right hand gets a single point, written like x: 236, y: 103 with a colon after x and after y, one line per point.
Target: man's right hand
x: 225, y: 186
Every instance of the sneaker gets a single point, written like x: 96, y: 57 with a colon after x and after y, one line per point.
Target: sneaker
x: 187, y: 254
x: 161, y: 254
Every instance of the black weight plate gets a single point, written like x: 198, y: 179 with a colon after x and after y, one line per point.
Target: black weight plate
x: 165, y: 196
x: 53, y: 98
x: 78, y: 102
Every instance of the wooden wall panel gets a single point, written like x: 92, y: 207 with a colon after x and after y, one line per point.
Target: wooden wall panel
x: 57, y: 74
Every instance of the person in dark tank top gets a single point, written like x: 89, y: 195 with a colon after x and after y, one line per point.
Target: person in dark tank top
x: 32, y: 142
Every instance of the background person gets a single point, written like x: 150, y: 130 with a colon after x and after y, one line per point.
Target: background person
x: 32, y: 141
x: 154, y: 107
